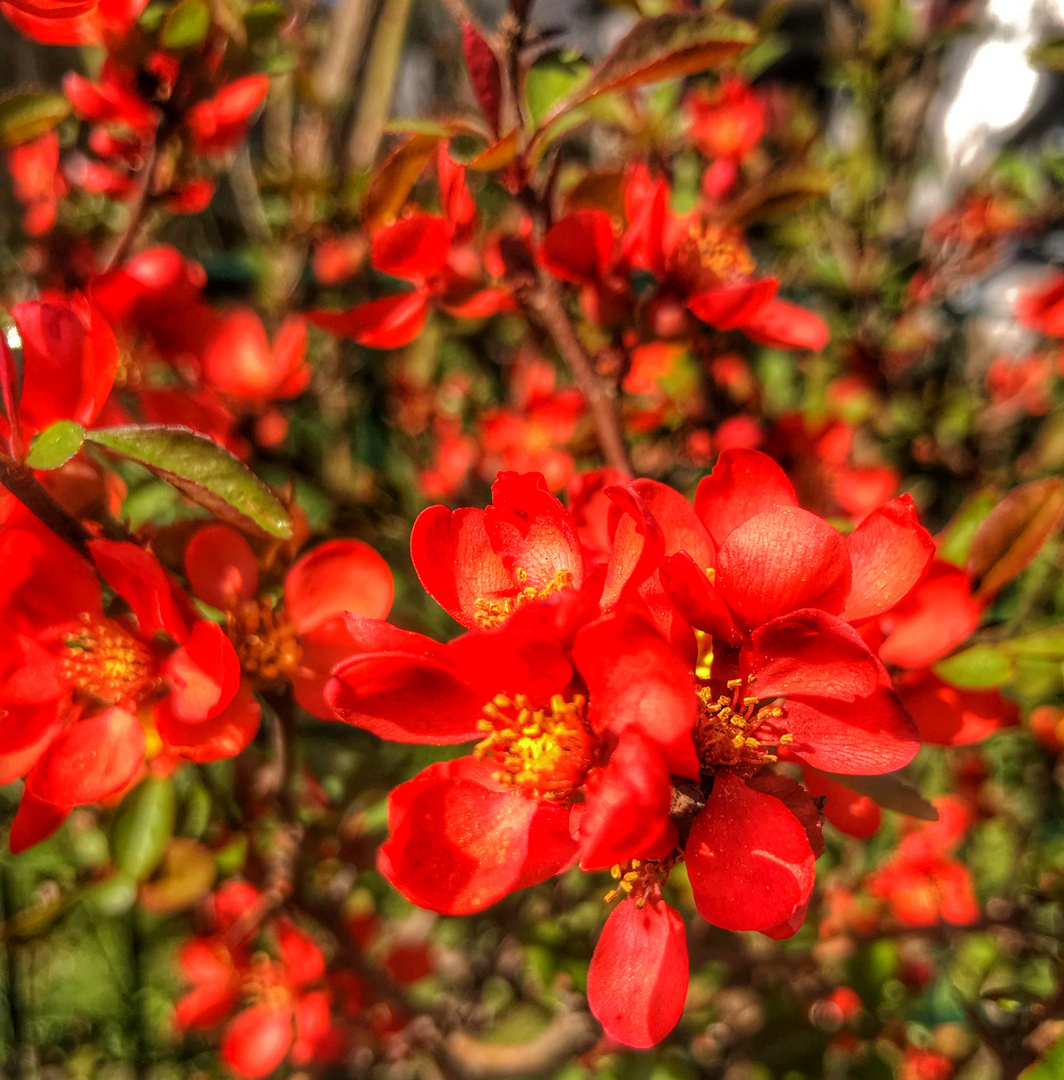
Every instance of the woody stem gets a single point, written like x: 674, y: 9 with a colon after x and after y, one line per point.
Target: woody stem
x: 20, y: 481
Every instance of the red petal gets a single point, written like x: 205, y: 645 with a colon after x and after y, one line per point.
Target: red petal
x: 780, y: 324
x: 748, y: 858
x: 696, y: 598
x: 414, y: 248
x: 853, y: 814
x: 202, y: 675
x: 637, y: 981
x: 637, y: 545
x: 406, y: 698
x: 221, y: 567
x: 387, y: 323
x: 454, y: 559
x: 949, y: 716
x: 936, y: 616
x: 337, y: 577
x: 26, y: 733
x: 869, y: 736
x: 579, y: 248
x: 890, y: 552
x: 780, y: 561
x: 303, y: 960
x: 809, y: 652
x: 223, y: 736
x: 743, y: 483
x: 257, y: 1040
x: 733, y: 306
x: 627, y: 807
x: 90, y: 760
x: 139, y: 579
x: 34, y: 822
x: 680, y: 525
x: 636, y: 684
x: 459, y: 842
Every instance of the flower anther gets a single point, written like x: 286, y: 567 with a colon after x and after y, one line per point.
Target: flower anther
x: 492, y: 613
x: 266, y: 641
x: 106, y: 664
x: 544, y: 752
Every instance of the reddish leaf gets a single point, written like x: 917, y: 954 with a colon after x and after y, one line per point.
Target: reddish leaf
x: 1012, y: 533
x: 390, y: 186
x: 483, y: 67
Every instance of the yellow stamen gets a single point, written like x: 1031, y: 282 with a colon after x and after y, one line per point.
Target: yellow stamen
x: 490, y: 613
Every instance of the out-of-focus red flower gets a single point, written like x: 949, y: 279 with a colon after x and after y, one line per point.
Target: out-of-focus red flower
x: 73, y: 22
x: 854, y: 814
x: 726, y: 126
x: 238, y: 358
x: 433, y: 254
x: 950, y: 716
x: 925, y: 1065
x: 104, y: 692
x: 1042, y: 309
x: 1020, y: 386
x: 1047, y: 725
x: 301, y: 640
x: 336, y: 258
x: 922, y: 883
x: 220, y: 123
x: 34, y: 168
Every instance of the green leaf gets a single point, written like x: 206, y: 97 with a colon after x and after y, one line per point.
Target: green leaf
x: 263, y: 18
x: 782, y: 193
x: 1049, y: 1067
x: 186, y: 24
x: 144, y: 826
x: 956, y: 539
x: 56, y: 445
x: 890, y: 792
x: 978, y: 668
x: 28, y: 114
x: 1048, y: 54
x: 201, y: 470
x: 1045, y: 644
x: 550, y: 80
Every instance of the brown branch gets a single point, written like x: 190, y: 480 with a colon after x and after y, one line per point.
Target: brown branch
x: 460, y: 12
x: 124, y: 240
x: 335, y: 72
x: 569, y: 1033
x: 20, y: 481
x: 600, y: 401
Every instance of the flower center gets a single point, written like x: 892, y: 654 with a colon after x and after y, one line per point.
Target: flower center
x: 490, y: 613
x: 719, y: 251
x: 545, y: 752
x: 637, y: 877
x: 107, y: 664
x: 266, y: 641
x: 725, y: 736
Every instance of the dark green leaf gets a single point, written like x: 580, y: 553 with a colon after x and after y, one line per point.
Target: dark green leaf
x: 56, y: 445
x: 200, y: 469
x: 29, y: 114
x: 1049, y: 54
x: 144, y: 826
x: 892, y: 793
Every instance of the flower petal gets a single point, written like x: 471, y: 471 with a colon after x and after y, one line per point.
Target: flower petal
x: 890, y: 552
x: 638, y: 978
x: 139, y: 579
x: 743, y: 483
x: 748, y: 858
x: 949, y: 716
x: 337, y: 577
x: 386, y: 323
x: 414, y: 248
x: 681, y: 527
x: 221, y: 567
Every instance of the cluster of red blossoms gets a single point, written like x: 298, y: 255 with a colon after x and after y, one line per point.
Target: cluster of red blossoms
x: 634, y: 670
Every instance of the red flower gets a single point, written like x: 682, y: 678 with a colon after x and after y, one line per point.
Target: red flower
x: 72, y: 22
x: 220, y: 123
x: 950, y: 716
x: 239, y: 360
x: 922, y: 883
x: 302, y: 639
x: 433, y: 255
x: 726, y: 126
x: 34, y: 168
x: 83, y: 678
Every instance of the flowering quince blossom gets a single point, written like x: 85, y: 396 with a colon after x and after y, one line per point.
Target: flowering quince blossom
x: 433, y: 253
x: 726, y: 126
x: 612, y: 737
x: 91, y: 696
x: 299, y: 640
x: 72, y: 22
x: 274, y: 1009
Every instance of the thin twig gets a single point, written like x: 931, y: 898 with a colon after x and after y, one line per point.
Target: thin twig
x: 20, y: 481
x: 246, y: 193
x: 335, y: 72
x: 124, y: 240
x: 460, y: 12
x: 568, y: 1034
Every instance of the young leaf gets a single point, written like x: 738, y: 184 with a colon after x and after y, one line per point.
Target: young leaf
x: 392, y: 182
x: 1012, y: 533
x: 144, y: 826
x: 890, y: 792
x: 978, y: 668
x: 955, y: 540
x: 668, y: 47
x: 483, y: 67
x: 186, y: 24
x: 200, y: 469
x: 1044, y: 644
x: 56, y: 445
x: 29, y: 114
